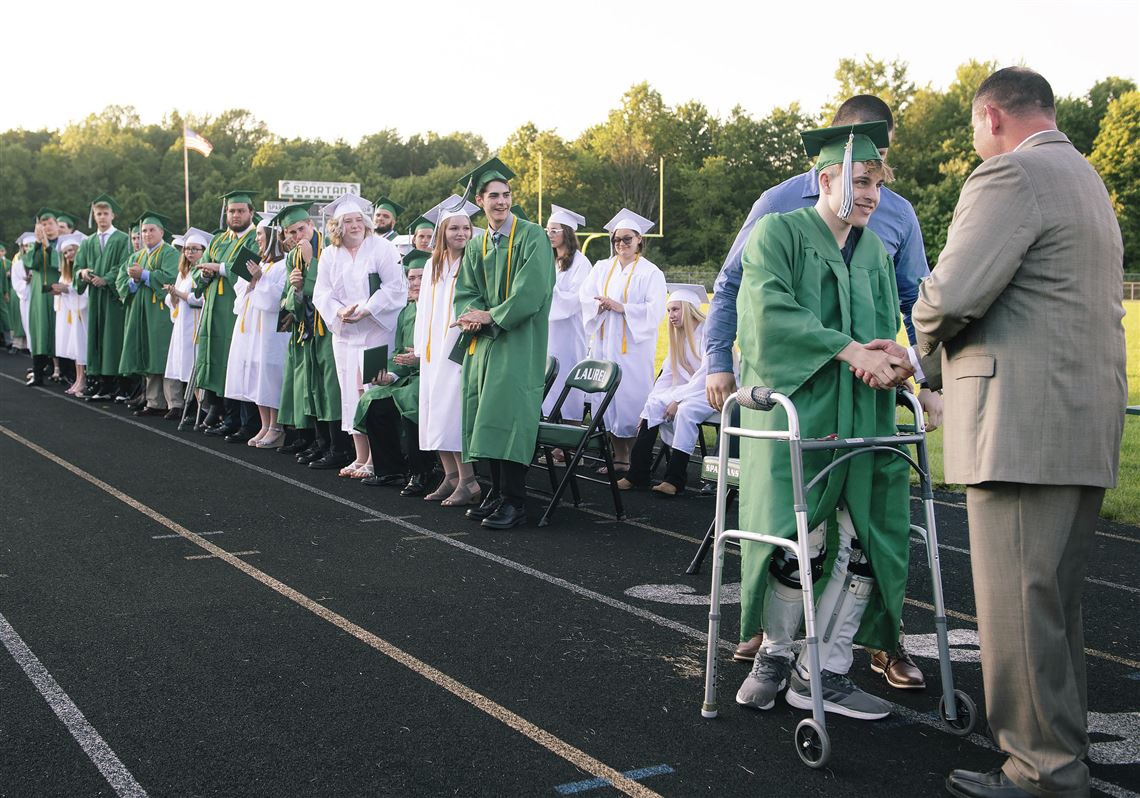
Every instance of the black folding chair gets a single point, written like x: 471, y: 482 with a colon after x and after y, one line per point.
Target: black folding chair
x: 551, y: 375
x: 588, y: 440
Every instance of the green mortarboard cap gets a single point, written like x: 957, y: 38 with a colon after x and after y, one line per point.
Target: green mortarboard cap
x: 239, y: 195
x: 291, y: 214
x: 69, y: 219
x: 155, y: 218
x: 830, y: 143
x: 518, y: 211
x: 415, y: 259
x: 421, y: 223
x: 134, y: 228
x: 105, y: 199
x: 484, y: 173
x: 389, y: 205
x: 47, y: 213
x: 3, y: 246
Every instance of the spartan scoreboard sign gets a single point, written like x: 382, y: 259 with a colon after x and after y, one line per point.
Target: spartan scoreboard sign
x: 314, y: 189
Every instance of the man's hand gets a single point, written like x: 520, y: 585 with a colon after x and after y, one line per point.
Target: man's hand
x: 903, y: 368
x: 875, y: 367
x: 98, y: 281
x: 384, y: 378
x: 297, y: 278
x: 718, y: 387
x: 931, y: 403
x: 135, y: 272
x: 671, y: 411
x: 306, y: 248
x: 210, y: 269
x: 406, y: 358
x: 85, y: 275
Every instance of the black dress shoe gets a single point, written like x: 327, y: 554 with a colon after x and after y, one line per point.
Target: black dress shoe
x: 506, y: 517
x: 240, y: 436
x: 173, y: 414
x: 221, y: 430
x: 311, y: 454
x: 417, y: 485
x: 995, y: 784
x: 383, y: 480
x: 144, y: 411
x: 32, y: 382
x: 331, y: 460
x: 490, y: 504
x: 295, y: 447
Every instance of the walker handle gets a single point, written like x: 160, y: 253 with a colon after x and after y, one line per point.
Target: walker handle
x: 755, y: 398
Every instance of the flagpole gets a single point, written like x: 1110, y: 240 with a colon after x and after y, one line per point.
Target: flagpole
x: 186, y: 174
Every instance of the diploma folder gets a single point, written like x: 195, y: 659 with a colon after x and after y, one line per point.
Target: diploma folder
x: 375, y: 361
x: 373, y: 283
x: 464, y: 341
x: 240, y: 266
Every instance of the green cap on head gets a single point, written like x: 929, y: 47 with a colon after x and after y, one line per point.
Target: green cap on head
x: 389, y: 205
x: 416, y: 259
x: 484, y: 173
x: 421, y: 223
x: 3, y: 246
x: 155, y: 218
x: 105, y: 199
x: 243, y: 195
x: 46, y: 213
x: 70, y: 219
x: 830, y: 143
x: 291, y: 214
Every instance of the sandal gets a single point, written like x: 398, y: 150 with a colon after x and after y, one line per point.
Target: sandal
x: 605, y: 472
x: 348, y: 469
x: 445, y: 489
x: 363, y: 472
x: 467, y: 492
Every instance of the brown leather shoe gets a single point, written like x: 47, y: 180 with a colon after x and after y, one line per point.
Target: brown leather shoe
x: 746, y: 651
x: 898, y: 669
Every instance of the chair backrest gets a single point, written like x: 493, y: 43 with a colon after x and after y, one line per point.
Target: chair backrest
x: 551, y: 374
x: 594, y: 376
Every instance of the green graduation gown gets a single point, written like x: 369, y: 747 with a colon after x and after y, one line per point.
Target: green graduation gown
x: 502, y: 376
x: 405, y: 391
x: 295, y: 384
x: 216, y: 326
x: 147, y: 324
x: 800, y: 305
x: 44, y: 269
x: 106, y: 313
x: 322, y: 399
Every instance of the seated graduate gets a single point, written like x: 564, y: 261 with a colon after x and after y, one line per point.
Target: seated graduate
x: 677, y: 404
x: 71, y: 312
x: 389, y: 410
x: 818, y: 288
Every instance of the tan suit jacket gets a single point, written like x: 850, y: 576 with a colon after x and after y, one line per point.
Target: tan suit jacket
x: 1026, y: 300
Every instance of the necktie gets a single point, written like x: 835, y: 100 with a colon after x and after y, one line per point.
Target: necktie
x: 496, y: 238
x: 102, y: 241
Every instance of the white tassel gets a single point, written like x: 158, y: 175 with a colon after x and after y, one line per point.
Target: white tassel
x: 847, y: 199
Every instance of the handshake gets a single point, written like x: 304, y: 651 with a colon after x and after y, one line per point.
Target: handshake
x: 879, y: 363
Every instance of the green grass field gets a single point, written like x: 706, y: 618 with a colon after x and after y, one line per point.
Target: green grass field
x: 1120, y: 504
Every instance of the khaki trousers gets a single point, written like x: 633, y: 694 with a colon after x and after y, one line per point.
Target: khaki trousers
x: 1029, y: 547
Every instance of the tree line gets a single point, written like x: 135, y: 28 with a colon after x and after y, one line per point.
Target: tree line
x: 714, y: 167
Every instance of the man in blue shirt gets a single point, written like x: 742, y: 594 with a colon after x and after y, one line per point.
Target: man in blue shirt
x: 895, y: 222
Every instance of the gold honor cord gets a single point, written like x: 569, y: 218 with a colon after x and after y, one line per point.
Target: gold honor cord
x: 150, y: 258
x: 507, y: 286
x: 624, y: 298
x: 431, y: 316
x: 240, y: 241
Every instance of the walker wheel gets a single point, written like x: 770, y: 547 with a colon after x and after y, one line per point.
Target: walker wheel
x: 967, y: 714
x: 812, y: 743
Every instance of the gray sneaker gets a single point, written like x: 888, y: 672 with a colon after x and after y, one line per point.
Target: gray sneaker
x: 840, y: 695
x: 768, y: 677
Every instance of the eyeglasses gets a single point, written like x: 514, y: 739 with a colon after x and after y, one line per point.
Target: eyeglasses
x: 627, y: 240
x: 193, y: 249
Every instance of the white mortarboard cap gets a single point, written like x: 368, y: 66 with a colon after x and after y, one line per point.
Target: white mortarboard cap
x: 403, y: 244
x: 567, y: 217
x: 349, y: 203
x: 628, y: 220
x: 26, y: 238
x: 70, y: 240
x: 454, y: 205
x: 264, y: 218
x: 176, y: 241
x: 196, y: 236
x: 687, y: 292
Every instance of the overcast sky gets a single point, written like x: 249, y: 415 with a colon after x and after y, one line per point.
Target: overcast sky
x: 330, y: 71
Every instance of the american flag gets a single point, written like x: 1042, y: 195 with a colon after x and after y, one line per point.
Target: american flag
x: 197, y: 142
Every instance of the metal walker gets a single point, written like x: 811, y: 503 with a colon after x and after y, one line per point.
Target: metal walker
x: 811, y: 739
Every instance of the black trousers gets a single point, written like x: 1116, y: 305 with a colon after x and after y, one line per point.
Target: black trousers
x: 394, y: 441
x: 641, y: 460
x: 508, y: 479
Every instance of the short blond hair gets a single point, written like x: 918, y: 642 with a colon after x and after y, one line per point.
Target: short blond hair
x: 873, y: 168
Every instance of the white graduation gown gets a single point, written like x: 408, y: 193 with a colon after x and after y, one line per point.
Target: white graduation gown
x: 440, y: 418
x: 640, y: 287
x: 71, y: 325
x: 186, y: 316
x: 567, y: 338
x: 687, y: 387
x: 23, y: 290
x: 342, y: 281
x: 256, y: 365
